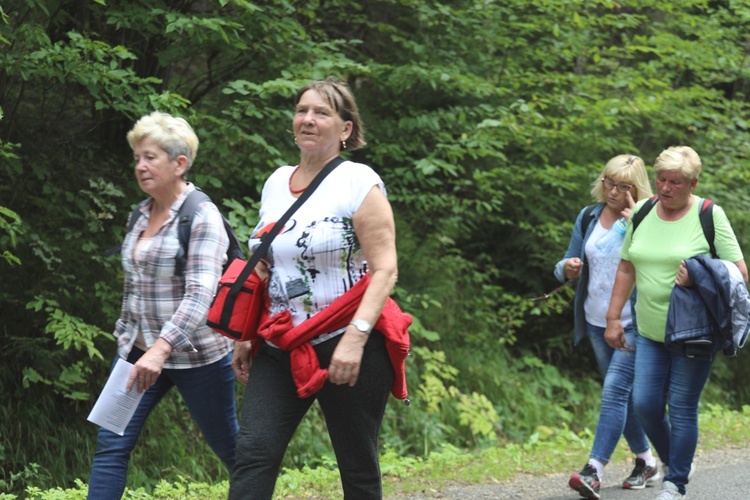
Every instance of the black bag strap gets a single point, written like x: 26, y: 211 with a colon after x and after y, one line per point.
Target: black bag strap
x: 586, y: 219
x: 185, y: 220
x: 267, y: 238
x: 705, y: 214
x: 134, y: 215
x: 185, y: 217
x: 643, y: 211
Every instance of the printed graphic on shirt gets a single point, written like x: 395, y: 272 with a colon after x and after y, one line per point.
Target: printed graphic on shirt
x: 602, y: 268
x: 316, y: 258
x: 311, y: 265
x: 603, y: 274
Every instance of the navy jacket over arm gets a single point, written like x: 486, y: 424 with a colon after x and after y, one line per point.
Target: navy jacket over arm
x: 702, y: 311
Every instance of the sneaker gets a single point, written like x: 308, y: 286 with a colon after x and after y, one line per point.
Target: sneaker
x: 669, y: 492
x: 586, y: 482
x: 643, y: 475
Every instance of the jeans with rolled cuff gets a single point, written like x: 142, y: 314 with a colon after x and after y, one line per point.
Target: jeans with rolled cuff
x: 617, y: 417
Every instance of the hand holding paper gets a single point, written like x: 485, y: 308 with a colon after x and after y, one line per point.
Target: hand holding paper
x: 148, y: 367
x: 116, y: 404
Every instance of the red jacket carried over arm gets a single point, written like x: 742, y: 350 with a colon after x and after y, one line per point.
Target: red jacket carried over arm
x: 308, y: 376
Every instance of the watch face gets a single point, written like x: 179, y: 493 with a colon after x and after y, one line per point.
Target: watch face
x: 362, y: 325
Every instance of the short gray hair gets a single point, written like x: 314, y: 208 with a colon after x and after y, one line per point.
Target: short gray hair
x: 173, y: 134
x: 683, y: 159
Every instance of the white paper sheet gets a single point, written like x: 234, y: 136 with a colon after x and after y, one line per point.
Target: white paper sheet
x: 115, y: 407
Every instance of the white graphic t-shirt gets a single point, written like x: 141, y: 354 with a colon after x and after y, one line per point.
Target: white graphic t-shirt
x: 602, y: 273
x: 316, y: 257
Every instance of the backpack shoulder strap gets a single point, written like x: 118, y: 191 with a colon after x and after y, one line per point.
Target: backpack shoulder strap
x: 235, y: 250
x: 185, y: 216
x: 586, y: 219
x: 643, y: 212
x: 184, y: 223
x: 134, y: 216
x: 706, y: 215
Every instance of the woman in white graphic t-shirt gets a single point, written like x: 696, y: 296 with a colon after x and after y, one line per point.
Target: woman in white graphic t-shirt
x: 342, y: 234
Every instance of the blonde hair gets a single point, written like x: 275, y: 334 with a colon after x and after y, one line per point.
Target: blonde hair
x: 339, y: 96
x: 627, y: 168
x: 173, y: 134
x: 683, y: 159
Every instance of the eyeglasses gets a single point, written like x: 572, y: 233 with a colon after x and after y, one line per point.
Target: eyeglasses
x: 621, y: 187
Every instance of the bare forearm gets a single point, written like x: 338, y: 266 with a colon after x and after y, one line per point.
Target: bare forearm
x: 378, y: 290
x: 623, y: 288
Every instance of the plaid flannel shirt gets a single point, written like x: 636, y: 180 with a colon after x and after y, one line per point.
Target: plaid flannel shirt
x: 172, y: 307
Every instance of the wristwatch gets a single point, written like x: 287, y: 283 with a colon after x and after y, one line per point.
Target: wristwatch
x: 362, y: 325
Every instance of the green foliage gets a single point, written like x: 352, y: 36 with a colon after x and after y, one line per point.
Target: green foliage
x: 311, y: 445
x: 726, y: 427
x: 29, y: 472
x: 487, y: 121
x: 476, y: 412
x: 324, y: 479
x: 72, y: 335
x: 10, y: 225
x: 548, y: 449
x: 181, y: 489
x: 10, y: 222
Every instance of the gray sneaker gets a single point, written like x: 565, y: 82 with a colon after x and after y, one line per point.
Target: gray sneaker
x: 669, y: 492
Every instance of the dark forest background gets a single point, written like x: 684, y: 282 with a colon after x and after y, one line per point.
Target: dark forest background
x: 487, y: 119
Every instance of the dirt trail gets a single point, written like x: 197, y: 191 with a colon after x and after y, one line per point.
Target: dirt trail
x: 720, y: 474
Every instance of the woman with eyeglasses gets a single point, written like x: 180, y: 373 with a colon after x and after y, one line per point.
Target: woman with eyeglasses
x: 623, y: 182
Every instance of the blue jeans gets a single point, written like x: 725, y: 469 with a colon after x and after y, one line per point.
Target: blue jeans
x: 208, y: 392
x: 664, y: 378
x: 617, y: 416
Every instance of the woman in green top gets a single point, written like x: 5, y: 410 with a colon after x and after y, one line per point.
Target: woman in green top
x: 654, y: 259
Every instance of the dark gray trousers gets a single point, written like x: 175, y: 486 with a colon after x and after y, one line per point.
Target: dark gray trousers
x: 272, y: 411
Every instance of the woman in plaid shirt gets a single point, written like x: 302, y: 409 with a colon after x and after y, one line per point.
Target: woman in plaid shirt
x: 162, y: 327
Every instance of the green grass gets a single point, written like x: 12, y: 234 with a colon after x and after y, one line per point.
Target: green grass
x: 548, y: 449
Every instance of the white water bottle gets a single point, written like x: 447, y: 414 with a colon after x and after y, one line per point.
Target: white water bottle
x: 613, y: 238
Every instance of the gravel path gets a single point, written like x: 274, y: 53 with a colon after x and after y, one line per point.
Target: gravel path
x: 720, y: 474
